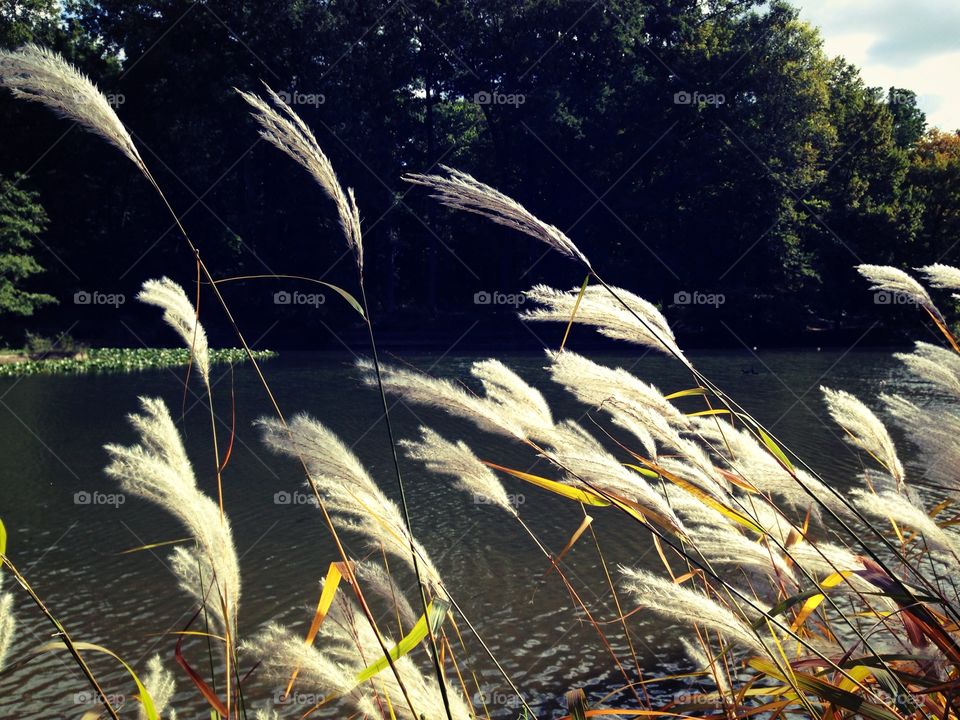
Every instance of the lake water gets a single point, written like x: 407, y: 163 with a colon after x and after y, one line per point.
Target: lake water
x: 52, y: 430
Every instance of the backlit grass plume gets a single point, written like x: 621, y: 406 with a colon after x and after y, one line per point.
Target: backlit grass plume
x: 160, y: 684
x: 461, y: 191
x: 942, y: 276
x: 936, y: 365
x: 456, y: 460
x: 7, y: 623
x: 599, y: 308
x: 884, y: 278
x: 689, y: 607
x: 284, y: 129
x: 864, y: 430
x: 329, y: 670
x: 40, y: 75
x: 158, y: 469
x: 346, y: 487
x: 180, y: 314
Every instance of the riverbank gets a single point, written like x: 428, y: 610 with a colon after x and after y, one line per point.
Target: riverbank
x: 102, y: 360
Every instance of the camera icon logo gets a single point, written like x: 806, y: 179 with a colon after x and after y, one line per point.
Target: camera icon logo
x: 82, y: 498
x: 282, y: 297
x: 82, y: 297
x: 681, y: 298
x: 482, y: 98
x: 682, y: 98
x: 482, y: 298
x: 282, y: 497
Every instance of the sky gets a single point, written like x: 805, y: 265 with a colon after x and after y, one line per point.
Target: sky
x: 912, y: 44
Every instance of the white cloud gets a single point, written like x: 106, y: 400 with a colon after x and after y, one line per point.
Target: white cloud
x: 913, y: 45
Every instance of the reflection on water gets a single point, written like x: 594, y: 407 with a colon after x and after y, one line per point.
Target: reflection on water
x: 67, y: 530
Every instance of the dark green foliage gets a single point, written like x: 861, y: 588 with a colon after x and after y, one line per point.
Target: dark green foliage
x: 22, y: 220
x: 686, y: 146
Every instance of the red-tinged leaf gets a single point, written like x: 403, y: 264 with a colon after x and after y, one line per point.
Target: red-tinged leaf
x: 209, y: 695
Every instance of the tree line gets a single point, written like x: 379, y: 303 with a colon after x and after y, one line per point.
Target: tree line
x: 710, y: 156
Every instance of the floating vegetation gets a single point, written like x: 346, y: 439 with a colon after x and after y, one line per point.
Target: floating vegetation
x: 108, y: 360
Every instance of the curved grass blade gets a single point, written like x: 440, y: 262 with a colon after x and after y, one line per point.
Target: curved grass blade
x: 573, y: 314
x: 353, y: 302
x: 571, y: 493
x: 334, y: 575
x: 143, y: 694
x: 436, y: 613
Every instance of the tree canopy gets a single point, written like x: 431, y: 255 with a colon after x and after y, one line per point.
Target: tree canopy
x: 689, y: 147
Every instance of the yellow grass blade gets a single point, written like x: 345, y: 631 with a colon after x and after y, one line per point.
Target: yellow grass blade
x: 576, y: 306
x: 685, y: 393
x: 583, y: 496
x: 334, y: 575
x: 436, y: 612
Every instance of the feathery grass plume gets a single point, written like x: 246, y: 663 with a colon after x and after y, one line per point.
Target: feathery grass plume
x: 179, y: 313
x: 691, y: 607
x: 739, y: 449
x: 884, y: 278
x: 329, y: 668
x: 161, y: 686
x: 461, y: 191
x: 376, y: 580
x: 357, y: 640
x: 935, y: 431
x: 39, y: 75
x: 457, y: 460
x: 159, y: 470
x: 604, y: 312
x: 905, y: 511
x: 7, y: 624
x: 864, y: 429
x: 514, y: 397
x: 287, y: 131
x: 281, y: 652
x: 573, y: 450
x: 942, y: 276
x: 936, y: 365
x: 712, y: 665
x: 346, y: 487
x: 633, y: 404
x: 421, y: 389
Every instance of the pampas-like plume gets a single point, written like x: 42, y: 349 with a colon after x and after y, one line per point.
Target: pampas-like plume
x: 37, y: 74
x: 513, y: 397
x: 422, y: 389
x: 634, y: 405
x: 160, y: 684
x: 179, y: 313
x: 329, y: 669
x: 456, y: 460
x: 601, y: 310
x: 688, y: 606
x: 374, y: 579
x: 159, y: 470
x: 935, y: 365
x: 897, y: 508
x: 7, y: 624
x: 884, y: 278
x: 461, y: 191
x: 287, y: 131
x: 864, y: 429
x: 935, y: 431
x: 347, y: 487
x: 942, y: 276
x: 575, y: 451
